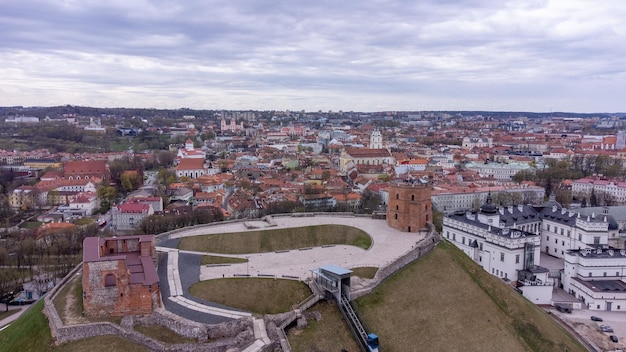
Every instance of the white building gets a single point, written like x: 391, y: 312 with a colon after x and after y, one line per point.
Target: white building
x: 499, y: 171
x: 477, y: 142
x: 564, y: 230
x: 506, y: 243
x: 597, y: 277
x: 127, y: 216
x: 616, y: 189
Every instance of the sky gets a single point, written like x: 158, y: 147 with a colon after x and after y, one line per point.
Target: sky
x: 363, y: 55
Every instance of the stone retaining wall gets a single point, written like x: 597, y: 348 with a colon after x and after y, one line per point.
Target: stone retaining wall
x: 421, y: 248
x: 227, y: 336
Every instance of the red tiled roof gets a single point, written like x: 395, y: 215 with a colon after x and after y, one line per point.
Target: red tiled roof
x: 190, y: 164
x: 133, y: 208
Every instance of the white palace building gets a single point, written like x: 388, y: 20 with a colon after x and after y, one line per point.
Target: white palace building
x: 507, y: 241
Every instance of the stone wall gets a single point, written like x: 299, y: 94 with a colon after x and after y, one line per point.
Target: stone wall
x: 229, y: 336
x: 421, y: 248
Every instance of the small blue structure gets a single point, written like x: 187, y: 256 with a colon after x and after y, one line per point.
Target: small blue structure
x: 372, y: 342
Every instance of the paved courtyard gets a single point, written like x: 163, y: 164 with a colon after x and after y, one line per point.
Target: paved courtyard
x: 181, y: 269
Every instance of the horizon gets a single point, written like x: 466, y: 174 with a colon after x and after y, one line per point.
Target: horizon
x: 323, y: 111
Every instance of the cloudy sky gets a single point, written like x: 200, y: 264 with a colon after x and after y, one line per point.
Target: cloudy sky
x: 360, y: 55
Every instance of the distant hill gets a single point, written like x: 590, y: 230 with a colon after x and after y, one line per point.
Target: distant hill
x: 446, y: 302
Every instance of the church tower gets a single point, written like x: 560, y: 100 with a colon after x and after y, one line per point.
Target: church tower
x: 376, y: 140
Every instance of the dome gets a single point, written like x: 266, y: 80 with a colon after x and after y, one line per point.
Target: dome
x: 488, y: 207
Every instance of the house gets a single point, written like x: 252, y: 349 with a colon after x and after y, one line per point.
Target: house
x: 23, y: 197
x: 127, y: 216
x: 119, y: 276
x: 321, y: 201
x: 412, y: 165
x: 155, y: 202
x: 86, y: 203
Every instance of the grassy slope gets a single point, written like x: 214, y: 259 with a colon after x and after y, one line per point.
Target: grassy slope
x: 456, y: 306
x: 263, y: 296
x: 277, y: 239
x: 329, y: 334
x: 32, y: 333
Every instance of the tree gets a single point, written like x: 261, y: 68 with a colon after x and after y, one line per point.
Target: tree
x: 593, y: 199
x: 107, y: 195
x: 166, y: 176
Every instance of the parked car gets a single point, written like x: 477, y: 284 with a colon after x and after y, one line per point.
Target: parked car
x: 594, y: 318
x: 606, y: 328
x: 613, y: 338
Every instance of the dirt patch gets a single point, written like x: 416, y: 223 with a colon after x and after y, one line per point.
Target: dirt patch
x: 590, y: 330
x: 70, y: 316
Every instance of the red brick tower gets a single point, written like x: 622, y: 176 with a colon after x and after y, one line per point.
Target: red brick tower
x: 410, y: 206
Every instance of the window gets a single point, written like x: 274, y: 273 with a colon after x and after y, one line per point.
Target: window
x: 501, y: 256
x: 556, y: 240
x: 109, y: 280
x: 454, y: 236
x: 569, y: 233
x: 547, y: 238
x: 605, y: 273
x: 596, y: 240
x: 412, y: 197
x: 589, y: 274
x: 396, y: 216
x: 517, y: 259
x: 480, y: 246
x: 617, y: 273
x: 580, y: 237
x: 397, y: 195
x: 463, y: 240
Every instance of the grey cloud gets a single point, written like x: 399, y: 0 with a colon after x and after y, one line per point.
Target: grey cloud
x: 305, y: 53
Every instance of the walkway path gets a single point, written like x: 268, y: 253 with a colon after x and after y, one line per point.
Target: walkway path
x: 387, y: 245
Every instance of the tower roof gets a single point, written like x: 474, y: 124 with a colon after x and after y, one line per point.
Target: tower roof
x: 488, y: 207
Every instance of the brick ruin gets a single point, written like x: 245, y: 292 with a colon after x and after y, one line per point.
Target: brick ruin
x: 119, y: 276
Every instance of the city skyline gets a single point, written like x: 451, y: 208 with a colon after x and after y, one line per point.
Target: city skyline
x: 354, y: 56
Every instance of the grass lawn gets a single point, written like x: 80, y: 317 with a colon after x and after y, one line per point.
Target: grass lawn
x: 277, y: 239
x: 445, y: 302
x: 214, y: 259
x: 31, y: 225
x: 366, y: 272
x: 30, y: 332
x: 163, y: 334
x: 329, y: 334
x: 262, y: 296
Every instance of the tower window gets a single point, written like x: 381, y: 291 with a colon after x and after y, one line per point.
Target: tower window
x: 109, y: 280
